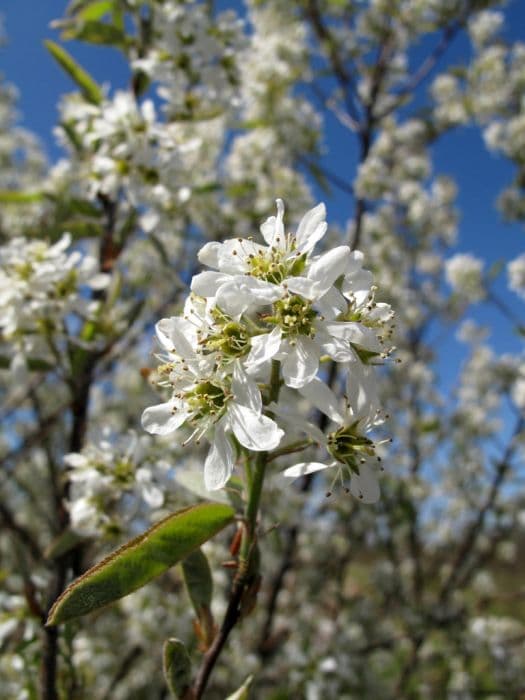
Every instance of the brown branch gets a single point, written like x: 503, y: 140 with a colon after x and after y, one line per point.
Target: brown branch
x: 478, y: 523
x: 231, y: 617
x: 342, y: 74
x: 80, y: 384
x: 23, y: 534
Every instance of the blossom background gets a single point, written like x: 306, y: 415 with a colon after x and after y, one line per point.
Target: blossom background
x: 416, y: 596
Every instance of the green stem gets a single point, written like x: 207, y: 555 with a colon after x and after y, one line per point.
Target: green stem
x: 254, y: 498
x: 244, y: 578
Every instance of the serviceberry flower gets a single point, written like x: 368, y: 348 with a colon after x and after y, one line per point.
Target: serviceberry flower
x: 210, y: 400
x: 351, y: 452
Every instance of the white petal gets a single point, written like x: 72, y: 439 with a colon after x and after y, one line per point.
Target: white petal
x: 362, y: 394
x: 206, y: 284
x: 323, y: 398
x: 339, y: 350
x: 297, y: 422
x: 219, y: 462
x: 272, y: 229
x: 311, y: 229
x: 263, y: 348
x: 365, y: 486
x: 177, y: 335
x: 245, y: 390
x: 303, y: 468
x: 303, y: 286
x: 355, y: 333
x: 358, y: 284
x: 300, y: 362
x: 163, y: 418
x: 209, y: 254
x: 149, y: 490
x: 332, y: 304
x: 328, y: 267
x: 253, y: 430
x: 243, y: 292
x: 76, y: 460
x: 99, y: 281
x: 234, y: 255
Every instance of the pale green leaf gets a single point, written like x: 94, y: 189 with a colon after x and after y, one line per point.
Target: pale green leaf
x: 18, y: 197
x: 89, y: 88
x: 176, y: 664
x: 198, y: 580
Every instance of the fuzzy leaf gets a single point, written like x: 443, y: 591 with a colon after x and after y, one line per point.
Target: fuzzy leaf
x: 89, y: 88
x: 197, y: 577
x: 176, y: 664
x: 145, y: 557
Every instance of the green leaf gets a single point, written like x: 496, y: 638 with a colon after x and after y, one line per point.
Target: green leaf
x: 197, y: 577
x: 94, y: 32
x: 243, y: 692
x: 176, y: 664
x: 89, y: 88
x: 199, y: 584
x: 17, y: 197
x: 145, y: 557
x: 95, y: 10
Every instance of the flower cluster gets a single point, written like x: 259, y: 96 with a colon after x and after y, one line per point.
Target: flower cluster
x: 271, y: 314
x: 115, y: 485
x: 41, y: 284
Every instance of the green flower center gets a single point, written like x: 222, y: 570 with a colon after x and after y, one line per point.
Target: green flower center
x: 347, y: 446
x: 206, y: 399
x: 231, y: 338
x: 274, y: 266
x: 295, y: 316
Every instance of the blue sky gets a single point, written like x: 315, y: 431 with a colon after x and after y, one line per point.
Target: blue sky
x: 479, y: 174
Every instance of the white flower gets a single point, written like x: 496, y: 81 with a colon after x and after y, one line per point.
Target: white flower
x: 213, y: 403
x: 516, y: 275
x: 464, y: 274
x: 352, y: 453
x: 484, y: 25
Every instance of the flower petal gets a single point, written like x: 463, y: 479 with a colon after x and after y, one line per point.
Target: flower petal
x: 219, y: 462
x: 303, y: 286
x: 272, y: 229
x: 355, y: 333
x: 300, y: 362
x: 177, y: 336
x: 263, y: 348
x: 362, y: 394
x: 253, y: 430
x: 311, y: 229
x: 245, y: 390
x: 304, y: 468
x: 357, y: 283
x: 243, y: 292
x: 209, y: 254
x: 323, y: 398
x: 206, y: 284
x: 164, y: 418
x: 328, y: 267
x: 298, y: 422
x: 365, y: 485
